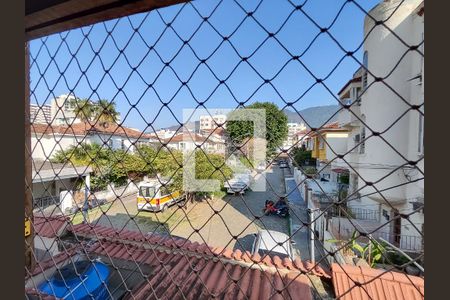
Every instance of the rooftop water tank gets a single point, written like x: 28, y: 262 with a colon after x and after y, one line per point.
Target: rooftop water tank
x: 79, y: 280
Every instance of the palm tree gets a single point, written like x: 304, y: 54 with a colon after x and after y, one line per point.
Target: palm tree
x: 105, y: 112
x: 84, y: 109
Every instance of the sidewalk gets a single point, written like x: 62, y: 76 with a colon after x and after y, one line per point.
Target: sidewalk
x: 299, y: 221
x: 300, y: 233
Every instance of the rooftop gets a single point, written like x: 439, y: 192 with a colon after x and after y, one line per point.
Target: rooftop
x: 354, y: 283
x: 83, y: 129
x: 180, y: 268
x: 47, y: 171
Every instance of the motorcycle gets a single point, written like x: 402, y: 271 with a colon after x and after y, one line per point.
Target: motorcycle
x: 280, y: 208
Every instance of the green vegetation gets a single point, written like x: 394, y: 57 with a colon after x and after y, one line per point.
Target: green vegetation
x: 373, y: 252
x: 310, y: 171
x: 302, y: 157
x: 117, y: 166
x: 104, y: 112
x: 276, y: 125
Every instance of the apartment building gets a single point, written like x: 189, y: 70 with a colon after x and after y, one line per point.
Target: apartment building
x: 208, y: 122
x: 41, y: 114
x: 381, y: 179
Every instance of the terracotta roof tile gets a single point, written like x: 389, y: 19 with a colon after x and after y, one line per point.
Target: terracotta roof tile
x: 84, y: 129
x: 178, y: 243
x: 375, y: 284
x: 50, y: 227
x: 61, y: 257
x: 176, y: 276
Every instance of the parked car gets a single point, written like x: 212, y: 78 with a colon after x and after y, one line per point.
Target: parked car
x: 238, y: 184
x: 269, y: 242
x: 261, y: 167
x: 237, y: 187
x: 283, y: 164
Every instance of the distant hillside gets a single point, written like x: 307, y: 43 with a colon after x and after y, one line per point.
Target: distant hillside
x: 314, y: 116
x: 191, y: 125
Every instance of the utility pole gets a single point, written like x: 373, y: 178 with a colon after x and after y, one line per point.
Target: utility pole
x: 312, y: 232
x: 85, y: 207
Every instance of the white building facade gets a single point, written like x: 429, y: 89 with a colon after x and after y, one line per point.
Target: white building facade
x: 208, y: 122
x: 385, y: 134
x: 47, y: 140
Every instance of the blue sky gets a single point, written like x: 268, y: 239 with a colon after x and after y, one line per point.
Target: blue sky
x: 140, y: 94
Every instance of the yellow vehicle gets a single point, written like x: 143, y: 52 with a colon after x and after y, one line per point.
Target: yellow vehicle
x: 153, y: 196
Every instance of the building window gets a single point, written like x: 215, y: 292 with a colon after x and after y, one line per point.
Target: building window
x: 385, y: 214
x: 362, y: 146
x: 357, y: 139
x: 321, y: 143
x: 182, y: 146
x: 122, y: 146
x: 110, y: 143
x: 421, y: 126
x: 366, y: 67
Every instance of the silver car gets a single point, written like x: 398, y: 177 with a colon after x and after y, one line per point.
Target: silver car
x: 268, y: 242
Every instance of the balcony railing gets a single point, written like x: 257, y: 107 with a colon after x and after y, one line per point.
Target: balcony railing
x: 356, y: 213
x: 405, y: 242
x: 44, y: 202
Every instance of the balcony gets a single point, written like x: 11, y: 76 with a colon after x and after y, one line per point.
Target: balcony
x: 347, y: 118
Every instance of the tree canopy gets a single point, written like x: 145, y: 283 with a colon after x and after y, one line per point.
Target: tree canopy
x: 116, y: 166
x: 276, y: 125
x: 103, y: 111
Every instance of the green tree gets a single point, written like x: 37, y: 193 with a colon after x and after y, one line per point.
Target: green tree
x: 105, y: 112
x: 302, y: 157
x: 84, y: 109
x: 276, y: 125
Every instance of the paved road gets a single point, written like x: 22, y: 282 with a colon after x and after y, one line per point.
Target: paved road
x: 232, y: 226
x: 235, y: 223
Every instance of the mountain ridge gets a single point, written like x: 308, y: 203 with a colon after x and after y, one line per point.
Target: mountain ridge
x: 315, y: 116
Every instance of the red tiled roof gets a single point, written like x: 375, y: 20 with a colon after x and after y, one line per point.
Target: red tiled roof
x: 340, y: 170
x: 177, y: 275
x: 97, y: 231
x: 55, y: 260
x: 330, y: 127
x: 81, y: 129
x: 184, y: 269
x: 375, y: 284
x: 50, y: 227
x: 36, y: 293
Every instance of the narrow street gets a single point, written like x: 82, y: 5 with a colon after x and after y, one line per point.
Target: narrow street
x: 226, y: 222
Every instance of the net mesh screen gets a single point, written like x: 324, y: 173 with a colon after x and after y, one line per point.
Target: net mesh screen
x: 341, y: 85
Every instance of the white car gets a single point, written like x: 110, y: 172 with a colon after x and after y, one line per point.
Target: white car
x: 268, y: 242
x: 237, y: 187
x: 261, y: 167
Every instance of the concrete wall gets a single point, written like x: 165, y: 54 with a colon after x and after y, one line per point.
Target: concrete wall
x: 46, y: 146
x: 52, y: 188
x: 336, y: 142
x: 45, y: 248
